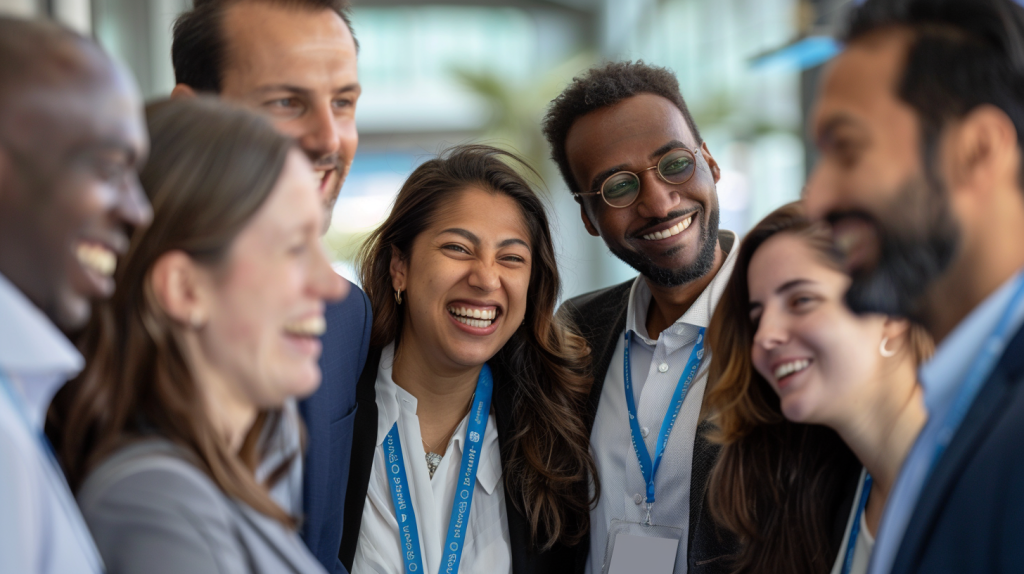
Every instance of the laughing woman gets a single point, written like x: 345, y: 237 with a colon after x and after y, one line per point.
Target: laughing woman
x: 470, y: 447
x: 816, y: 407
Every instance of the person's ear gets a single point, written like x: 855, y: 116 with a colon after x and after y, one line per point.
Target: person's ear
x: 182, y: 91
x: 399, y: 270
x: 181, y: 289
x: 716, y: 172
x: 983, y: 152
x: 587, y: 223
x: 894, y: 334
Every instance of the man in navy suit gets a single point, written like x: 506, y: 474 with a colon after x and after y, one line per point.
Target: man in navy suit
x: 919, y: 125
x: 295, y: 61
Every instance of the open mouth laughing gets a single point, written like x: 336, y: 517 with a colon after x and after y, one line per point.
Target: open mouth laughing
x: 785, y: 371
x: 476, y: 317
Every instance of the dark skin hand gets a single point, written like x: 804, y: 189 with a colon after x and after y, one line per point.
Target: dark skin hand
x: 632, y: 135
x: 72, y: 136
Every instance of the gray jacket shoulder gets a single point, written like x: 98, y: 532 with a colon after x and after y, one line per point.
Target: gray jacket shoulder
x: 151, y: 510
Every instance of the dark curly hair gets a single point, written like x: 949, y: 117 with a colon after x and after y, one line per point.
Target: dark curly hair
x: 604, y: 86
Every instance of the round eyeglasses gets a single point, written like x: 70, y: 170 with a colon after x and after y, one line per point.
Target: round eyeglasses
x: 621, y: 188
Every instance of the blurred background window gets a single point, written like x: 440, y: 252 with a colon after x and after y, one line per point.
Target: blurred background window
x: 436, y: 74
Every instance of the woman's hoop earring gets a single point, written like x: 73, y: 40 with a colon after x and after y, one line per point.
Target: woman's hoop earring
x: 398, y: 296
x: 883, y: 351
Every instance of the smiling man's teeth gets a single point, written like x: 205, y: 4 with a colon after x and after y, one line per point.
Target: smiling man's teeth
x: 97, y: 258
x: 791, y: 367
x: 674, y: 230
x: 479, y: 318
x: 311, y: 327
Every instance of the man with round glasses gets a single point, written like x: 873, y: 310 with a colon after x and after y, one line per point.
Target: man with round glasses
x: 633, y: 158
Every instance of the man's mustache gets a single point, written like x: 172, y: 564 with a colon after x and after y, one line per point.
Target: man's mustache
x: 332, y: 161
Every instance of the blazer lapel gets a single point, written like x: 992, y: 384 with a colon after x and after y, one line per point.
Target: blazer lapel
x: 988, y: 406
x: 364, y: 443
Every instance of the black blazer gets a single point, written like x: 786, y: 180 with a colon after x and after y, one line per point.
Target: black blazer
x: 970, y: 517
x: 601, y: 319
x: 560, y: 559
x: 329, y: 414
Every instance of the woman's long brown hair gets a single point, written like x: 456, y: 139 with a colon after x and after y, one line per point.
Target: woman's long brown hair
x: 547, y: 462
x: 778, y: 485
x: 211, y: 168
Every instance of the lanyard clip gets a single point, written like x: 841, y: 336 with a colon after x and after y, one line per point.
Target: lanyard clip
x: 647, y: 521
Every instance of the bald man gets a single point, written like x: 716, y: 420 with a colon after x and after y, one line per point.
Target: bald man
x: 72, y: 135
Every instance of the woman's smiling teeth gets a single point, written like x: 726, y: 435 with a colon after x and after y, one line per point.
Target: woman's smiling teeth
x: 674, y: 230
x: 479, y: 318
x: 97, y: 258
x: 790, y: 368
x: 311, y: 327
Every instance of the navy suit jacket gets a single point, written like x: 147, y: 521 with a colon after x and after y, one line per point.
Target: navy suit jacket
x: 970, y: 517
x: 329, y: 415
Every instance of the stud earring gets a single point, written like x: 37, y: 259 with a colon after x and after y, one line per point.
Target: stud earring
x: 398, y: 296
x: 883, y: 351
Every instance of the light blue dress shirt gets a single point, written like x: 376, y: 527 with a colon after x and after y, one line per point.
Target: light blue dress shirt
x: 41, y: 529
x: 941, y: 379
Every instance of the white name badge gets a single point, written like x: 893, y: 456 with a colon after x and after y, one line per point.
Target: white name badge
x: 634, y: 548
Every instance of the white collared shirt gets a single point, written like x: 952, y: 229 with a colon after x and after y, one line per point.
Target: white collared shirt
x: 41, y: 529
x: 655, y: 368
x: 487, y: 541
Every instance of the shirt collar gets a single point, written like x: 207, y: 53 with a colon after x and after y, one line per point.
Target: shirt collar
x: 699, y: 314
x: 941, y: 376
x: 394, y: 398
x: 33, y: 352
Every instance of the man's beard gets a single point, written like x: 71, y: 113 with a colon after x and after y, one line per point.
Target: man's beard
x: 913, y: 252
x: 700, y: 266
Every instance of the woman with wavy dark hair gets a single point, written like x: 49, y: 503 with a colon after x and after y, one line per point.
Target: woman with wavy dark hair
x: 470, y: 447
x: 815, y: 407
x: 211, y: 333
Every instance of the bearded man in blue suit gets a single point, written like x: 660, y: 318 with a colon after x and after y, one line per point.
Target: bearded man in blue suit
x: 295, y: 61
x: 920, y: 124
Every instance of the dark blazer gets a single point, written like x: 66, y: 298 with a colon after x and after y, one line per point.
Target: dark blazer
x: 601, y: 319
x: 970, y: 517
x: 558, y: 560
x: 329, y: 415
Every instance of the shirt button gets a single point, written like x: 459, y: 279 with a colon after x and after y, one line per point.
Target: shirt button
x: 638, y: 498
x: 663, y: 368
x: 645, y: 431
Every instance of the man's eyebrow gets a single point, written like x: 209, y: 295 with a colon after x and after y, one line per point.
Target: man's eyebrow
x: 833, y: 123
x: 353, y: 87
x: 674, y: 144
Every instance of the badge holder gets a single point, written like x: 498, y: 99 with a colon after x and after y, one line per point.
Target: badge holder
x: 641, y: 547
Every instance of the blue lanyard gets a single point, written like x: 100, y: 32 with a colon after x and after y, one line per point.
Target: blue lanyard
x: 979, y: 372
x: 648, y: 468
x: 851, y: 545
x: 408, y: 534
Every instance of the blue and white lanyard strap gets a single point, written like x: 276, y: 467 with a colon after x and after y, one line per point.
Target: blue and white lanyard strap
x: 405, y: 513
x: 979, y: 372
x: 851, y: 545
x: 649, y: 468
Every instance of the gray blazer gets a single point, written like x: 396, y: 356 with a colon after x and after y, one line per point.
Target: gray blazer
x: 151, y: 511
